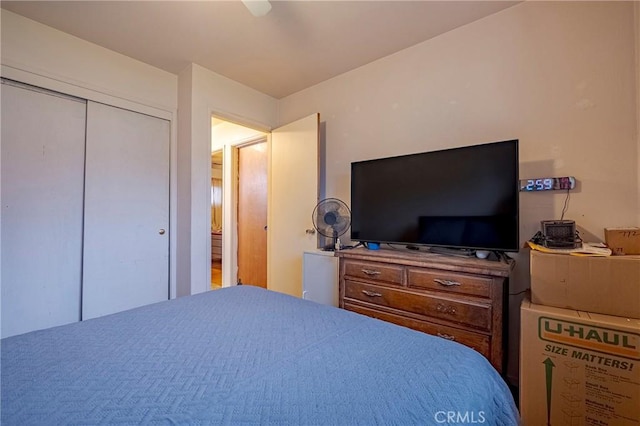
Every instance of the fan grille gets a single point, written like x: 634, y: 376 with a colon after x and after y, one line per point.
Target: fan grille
x: 331, y: 217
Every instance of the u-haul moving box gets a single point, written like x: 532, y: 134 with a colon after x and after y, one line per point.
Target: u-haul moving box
x: 606, y: 285
x: 578, y: 368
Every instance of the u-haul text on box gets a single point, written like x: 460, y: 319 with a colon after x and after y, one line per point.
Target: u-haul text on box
x: 578, y: 368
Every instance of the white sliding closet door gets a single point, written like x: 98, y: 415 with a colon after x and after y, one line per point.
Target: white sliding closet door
x: 126, y: 224
x: 43, y: 136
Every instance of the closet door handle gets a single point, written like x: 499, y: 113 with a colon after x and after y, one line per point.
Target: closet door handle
x: 161, y: 231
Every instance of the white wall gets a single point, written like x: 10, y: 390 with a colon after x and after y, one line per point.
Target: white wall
x: 43, y: 51
x: 213, y: 94
x: 183, y: 234
x: 559, y: 76
x: 36, y: 54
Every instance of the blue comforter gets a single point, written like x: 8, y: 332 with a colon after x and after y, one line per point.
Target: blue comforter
x: 245, y: 355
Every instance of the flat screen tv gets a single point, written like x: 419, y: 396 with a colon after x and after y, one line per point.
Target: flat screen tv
x: 460, y: 198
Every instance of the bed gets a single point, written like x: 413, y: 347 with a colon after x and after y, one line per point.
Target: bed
x: 245, y: 355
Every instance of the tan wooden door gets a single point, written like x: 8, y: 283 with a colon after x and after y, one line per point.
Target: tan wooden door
x: 252, y: 214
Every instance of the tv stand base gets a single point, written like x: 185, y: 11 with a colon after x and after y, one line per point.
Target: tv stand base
x: 452, y: 251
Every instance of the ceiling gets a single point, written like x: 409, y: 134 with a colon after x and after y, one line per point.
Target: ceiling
x: 296, y: 45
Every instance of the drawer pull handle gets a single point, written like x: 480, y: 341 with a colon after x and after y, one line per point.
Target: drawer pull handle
x: 446, y: 283
x: 446, y: 336
x: 371, y: 293
x: 371, y: 272
x: 446, y: 309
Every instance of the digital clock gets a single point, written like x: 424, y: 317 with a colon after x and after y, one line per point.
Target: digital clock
x: 548, y: 184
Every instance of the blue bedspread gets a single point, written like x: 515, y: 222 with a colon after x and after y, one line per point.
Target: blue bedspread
x: 245, y: 355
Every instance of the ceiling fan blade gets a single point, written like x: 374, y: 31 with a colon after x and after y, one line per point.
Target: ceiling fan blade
x: 257, y: 7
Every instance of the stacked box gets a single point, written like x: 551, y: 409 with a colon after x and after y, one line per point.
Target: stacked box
x: 578, y: 368
x: 623, y: 241
x: 606, y: 285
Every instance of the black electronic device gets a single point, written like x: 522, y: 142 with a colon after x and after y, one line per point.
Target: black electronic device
x: 559, y: 234
x: 463, y: 198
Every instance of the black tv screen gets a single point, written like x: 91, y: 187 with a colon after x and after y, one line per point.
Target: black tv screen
x: 456, y: 198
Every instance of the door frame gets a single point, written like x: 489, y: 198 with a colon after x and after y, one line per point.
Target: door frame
x: 230, y: 195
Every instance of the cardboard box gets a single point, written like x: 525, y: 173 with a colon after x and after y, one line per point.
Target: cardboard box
x: 606, y: 285
x: 578, y: 368
x: 623, y: 241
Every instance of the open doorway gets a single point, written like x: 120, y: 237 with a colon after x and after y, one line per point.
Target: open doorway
x: 292, y: 193
x: 231, y: 146
x: 216, y: 219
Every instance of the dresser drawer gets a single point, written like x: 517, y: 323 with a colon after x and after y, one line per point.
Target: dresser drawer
x: 477, y: 341
x: 391, y: 274
x: 439, y: 280
x: 461, y: 311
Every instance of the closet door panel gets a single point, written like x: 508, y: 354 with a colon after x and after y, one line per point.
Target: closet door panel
x: 126, y: 232
x: 42, y: 167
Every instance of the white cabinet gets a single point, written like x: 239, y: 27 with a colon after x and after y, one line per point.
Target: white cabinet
x: 85, y: 209
x: 320, y: 277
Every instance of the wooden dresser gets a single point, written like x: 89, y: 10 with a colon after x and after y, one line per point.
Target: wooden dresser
x: 455, y: 298
x: 216, y: 246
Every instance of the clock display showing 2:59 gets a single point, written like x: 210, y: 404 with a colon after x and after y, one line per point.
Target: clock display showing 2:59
x: 547, y: 184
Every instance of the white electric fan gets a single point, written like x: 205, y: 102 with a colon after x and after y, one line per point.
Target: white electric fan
x: 331, y: 218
